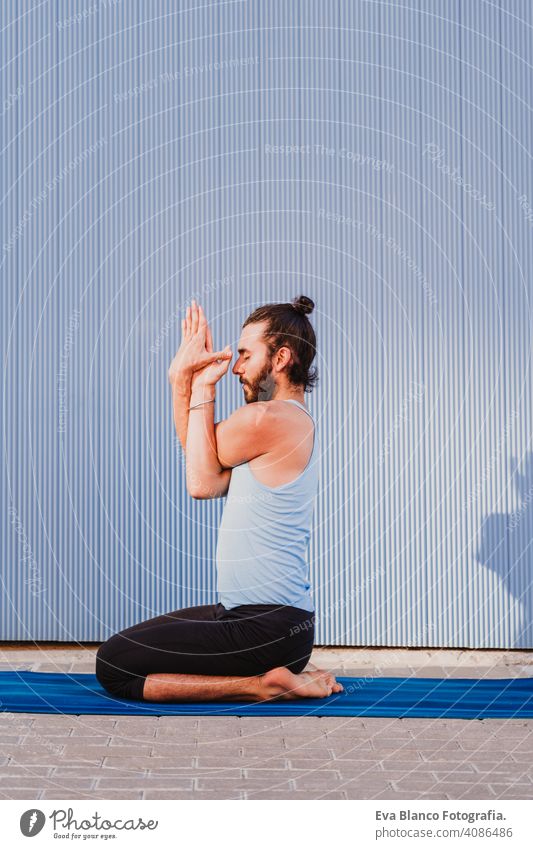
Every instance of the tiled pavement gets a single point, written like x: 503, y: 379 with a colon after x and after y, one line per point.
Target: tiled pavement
x: 107, y: 757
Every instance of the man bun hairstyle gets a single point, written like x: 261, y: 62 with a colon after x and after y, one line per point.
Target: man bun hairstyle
x: 303, y: 305
x: 288, y: 326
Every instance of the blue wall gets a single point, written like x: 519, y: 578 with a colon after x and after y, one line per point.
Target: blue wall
x: 376, y: 156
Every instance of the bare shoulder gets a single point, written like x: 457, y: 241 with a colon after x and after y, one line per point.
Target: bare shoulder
x: 283, y: 417
x: 258, y: 417
x: 267, y: 418
x: 250, y: 419
x: 282, y: 409
x: 252, y: 414
x: 265, y: 421
x: 249, y: 432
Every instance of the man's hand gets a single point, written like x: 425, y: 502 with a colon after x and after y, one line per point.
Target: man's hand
x: 196, y: 350
x: 210, y: 374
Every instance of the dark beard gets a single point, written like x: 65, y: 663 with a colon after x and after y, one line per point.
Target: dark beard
x: 262, y: 388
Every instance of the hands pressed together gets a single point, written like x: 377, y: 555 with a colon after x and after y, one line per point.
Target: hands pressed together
x: 195, y: 360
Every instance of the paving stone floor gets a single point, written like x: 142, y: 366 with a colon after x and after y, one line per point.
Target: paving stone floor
x: 46, y: 756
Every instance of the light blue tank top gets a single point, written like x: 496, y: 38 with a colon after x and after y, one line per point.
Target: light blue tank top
x: 261, y: 554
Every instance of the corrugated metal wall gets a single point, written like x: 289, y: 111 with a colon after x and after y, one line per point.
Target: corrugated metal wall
x: 376, y: 156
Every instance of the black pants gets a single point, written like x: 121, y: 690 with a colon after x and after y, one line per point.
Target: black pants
x: 206, y: 640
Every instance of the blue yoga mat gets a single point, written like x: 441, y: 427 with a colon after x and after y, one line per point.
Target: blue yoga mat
x: 458, y: 698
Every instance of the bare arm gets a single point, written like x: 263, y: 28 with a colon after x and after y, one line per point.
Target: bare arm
x: 181, y: 399
x: 213, y: 450
x: 206, y: 478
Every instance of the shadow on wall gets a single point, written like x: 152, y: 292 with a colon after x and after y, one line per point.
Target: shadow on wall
x: 506, y: 547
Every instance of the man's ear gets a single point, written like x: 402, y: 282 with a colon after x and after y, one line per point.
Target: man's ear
x: 284, y: 356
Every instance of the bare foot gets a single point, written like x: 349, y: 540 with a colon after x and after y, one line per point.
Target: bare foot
x: 316, y: 670
x: 281, y: 683
x: 329, y: 676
